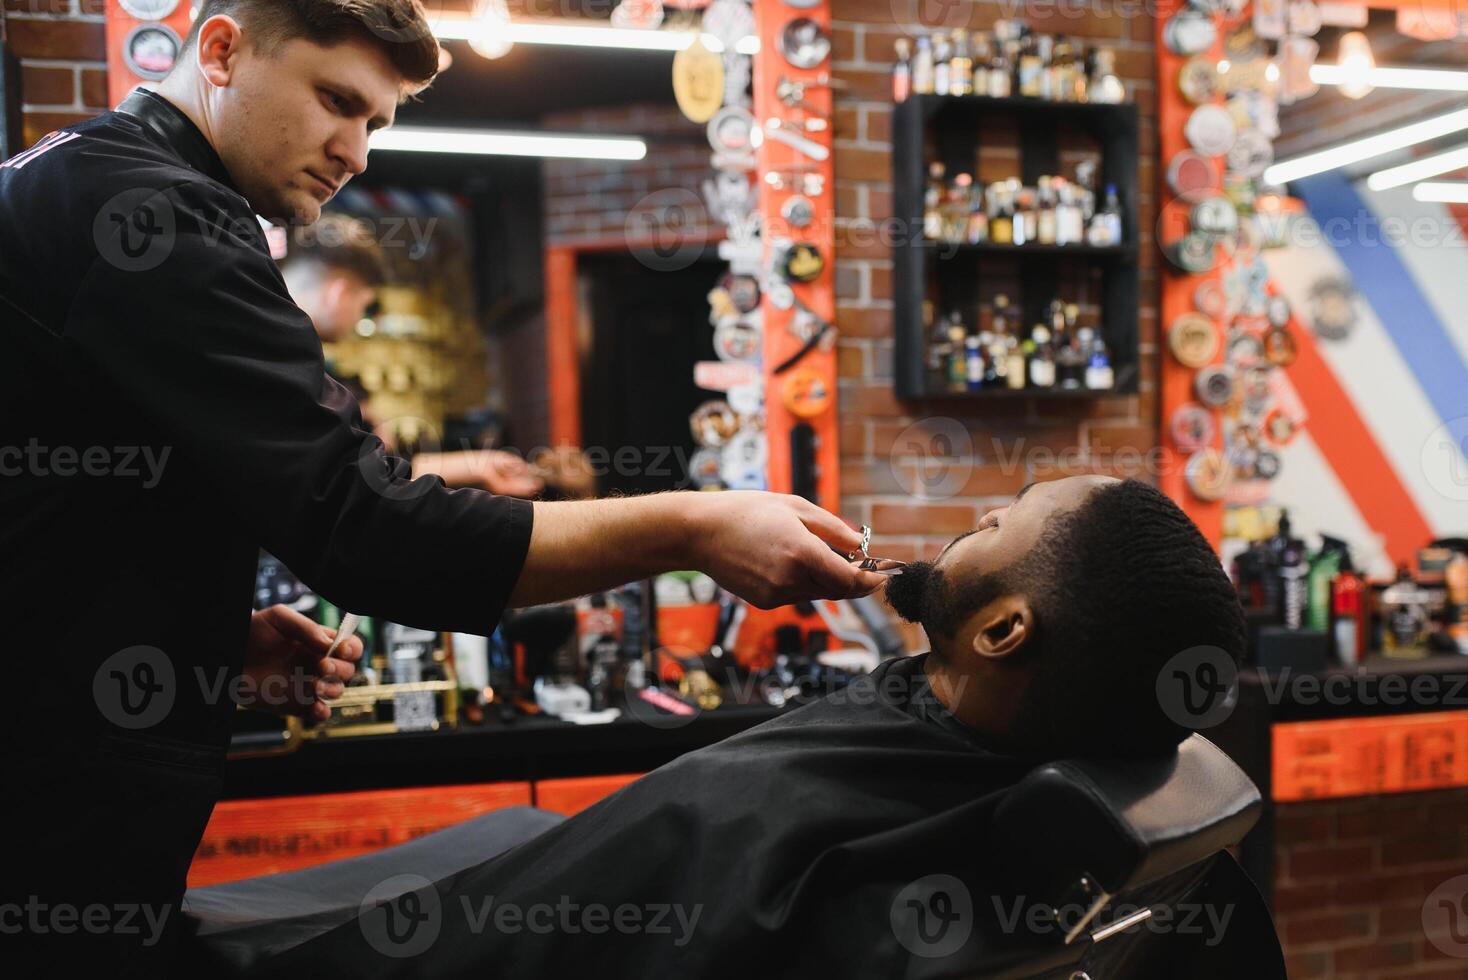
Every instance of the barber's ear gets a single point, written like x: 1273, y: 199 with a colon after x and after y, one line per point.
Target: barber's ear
x: 1004, y: 626
x: 220, y: 41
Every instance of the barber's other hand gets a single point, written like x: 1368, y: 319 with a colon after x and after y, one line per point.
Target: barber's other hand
x: 287, y: 667
x: 771, y: 549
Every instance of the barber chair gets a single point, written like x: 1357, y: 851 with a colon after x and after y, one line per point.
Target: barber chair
x: 1105, y: 850
x: 1123, y: 870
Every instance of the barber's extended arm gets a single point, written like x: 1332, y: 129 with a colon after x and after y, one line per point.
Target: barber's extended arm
x: 767, y: 548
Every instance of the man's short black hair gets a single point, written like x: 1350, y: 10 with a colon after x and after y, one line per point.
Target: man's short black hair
x: 1119, y: 585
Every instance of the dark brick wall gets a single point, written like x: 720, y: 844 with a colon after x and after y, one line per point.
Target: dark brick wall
x: 63, y: 58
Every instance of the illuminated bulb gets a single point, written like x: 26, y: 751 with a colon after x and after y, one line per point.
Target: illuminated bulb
x: 1272, y: 72
x: 1356, y: 64
x: 1224, y: 66
x: 490, y: 35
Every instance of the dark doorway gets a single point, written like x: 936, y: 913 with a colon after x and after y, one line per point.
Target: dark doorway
x: 648, y: 329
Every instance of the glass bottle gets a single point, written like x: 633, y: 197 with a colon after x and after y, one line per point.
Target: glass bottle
x: 1001, y: 215
x: 1045, y: 225
x: 975, y: 368
x: 1042, y: 362
x: 957, y: 365
x: 942, y: 65
x: 961, y: 74
x: 933, y: 203
x: 922, y: 68
x: 981, y: 57
x: 902, y: 71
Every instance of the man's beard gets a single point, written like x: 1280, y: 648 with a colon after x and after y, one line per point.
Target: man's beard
x: 923, y: 594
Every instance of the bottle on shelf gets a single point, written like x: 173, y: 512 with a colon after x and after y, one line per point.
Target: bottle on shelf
x: 1042, y: 361
x: 933, y: 203
x: 922, y: 67
x: 961, y: 70
x: 942, y: 65
x: 982, y: 55
x: 902, y: 71
x: 973, y: 362
x: 1099, y: 375
x: 1001, y: 214
x: 958, y: 353
x: 1103, y: 86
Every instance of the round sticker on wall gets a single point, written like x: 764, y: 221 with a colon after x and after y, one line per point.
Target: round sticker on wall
x: 149, y: 9
x: 1210, y: 130
x: 150, y: 50
x: 698, y: 81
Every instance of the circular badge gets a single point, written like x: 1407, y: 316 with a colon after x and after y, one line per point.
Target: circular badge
x: 1190, y: 173
x: 737, y: 341
x: 1210, y: 130
x: 729, y: 130
x: 780, y: 295
x: 713, y: 423
x: 747, y: 400
x: 1207, y: 474
x: 806, y: 394
x: 703, y: 468
x: 1189, y: 32
x: 1251, y: 154
x: 1211, y: 299
x: 742, y: 461
x: 149, y: 9
x: 1243, y: 349
x: 1279, y: 428
x: 803, y: 42
x: 1192, y: 427
x: 1193, y: 252
x: 1198, y: 80
x: 1267, y: 464
x: 637, y: 15
x: 1215, y: 217
x: 1214, y: 386
x: 1333, y: 308
x: 802, y: 263
x: 1279, y: 347
x: 1193, y: 340
x: 743, y: 292
x: 150, y: 50
x: 798, y: 211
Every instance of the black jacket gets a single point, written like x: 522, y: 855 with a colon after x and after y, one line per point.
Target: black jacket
x: 164, y: 415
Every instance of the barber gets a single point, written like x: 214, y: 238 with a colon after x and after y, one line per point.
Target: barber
x: 141, y: 309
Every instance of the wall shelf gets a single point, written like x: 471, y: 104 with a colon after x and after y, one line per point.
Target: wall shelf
x: 953, y: 129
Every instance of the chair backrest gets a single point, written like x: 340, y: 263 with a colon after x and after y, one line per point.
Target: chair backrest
x: 1083, y: 831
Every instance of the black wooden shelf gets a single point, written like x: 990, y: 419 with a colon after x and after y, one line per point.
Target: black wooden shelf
x: 952, y: 129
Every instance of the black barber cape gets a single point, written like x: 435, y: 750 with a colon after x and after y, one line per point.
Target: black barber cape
x: 164, y: 415
x: 778, y: 852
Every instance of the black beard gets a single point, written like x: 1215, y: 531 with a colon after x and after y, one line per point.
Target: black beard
x: 908, y: 594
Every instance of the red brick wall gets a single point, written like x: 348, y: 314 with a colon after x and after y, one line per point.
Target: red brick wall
x: 1013, y: 442
x: 63, y: 57
x: 1351, y: 880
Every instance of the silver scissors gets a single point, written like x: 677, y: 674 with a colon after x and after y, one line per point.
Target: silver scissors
x: 867, y: 563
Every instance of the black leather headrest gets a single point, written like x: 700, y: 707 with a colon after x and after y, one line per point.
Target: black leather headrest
x: 1123, y: 823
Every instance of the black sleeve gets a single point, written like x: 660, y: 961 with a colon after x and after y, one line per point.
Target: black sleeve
x: 201, y: 341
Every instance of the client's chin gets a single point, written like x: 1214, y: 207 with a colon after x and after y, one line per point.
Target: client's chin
x: 908, y: 593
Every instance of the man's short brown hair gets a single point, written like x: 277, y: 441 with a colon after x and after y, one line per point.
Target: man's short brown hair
x: 338, y: 243
x: 399, y: 27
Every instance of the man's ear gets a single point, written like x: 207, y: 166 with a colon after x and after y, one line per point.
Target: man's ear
x: 220, y: 42
x: 1004, y: 626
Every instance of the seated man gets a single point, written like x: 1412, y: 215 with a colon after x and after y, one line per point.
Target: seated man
x: 781, y: 850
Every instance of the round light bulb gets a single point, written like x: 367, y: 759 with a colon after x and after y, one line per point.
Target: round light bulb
x: 491, y: 35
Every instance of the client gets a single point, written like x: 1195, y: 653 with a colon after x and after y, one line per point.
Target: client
x: 781, y: 850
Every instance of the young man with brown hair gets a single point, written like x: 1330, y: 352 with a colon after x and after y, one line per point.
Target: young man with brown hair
x: 142, y: 317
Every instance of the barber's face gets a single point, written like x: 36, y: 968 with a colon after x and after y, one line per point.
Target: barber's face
x: 1004, y: 536
x: 292, y: 127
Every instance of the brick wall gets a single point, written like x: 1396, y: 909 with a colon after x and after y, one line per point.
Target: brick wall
x: 63, y: 58
x: 1351, y: 879
x: 1013, y: 441
x: 600, y: 201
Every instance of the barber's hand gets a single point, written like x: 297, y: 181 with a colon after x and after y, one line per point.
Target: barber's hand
x: 287, y: 667
x: 508, y: 474
x: 772, y: 549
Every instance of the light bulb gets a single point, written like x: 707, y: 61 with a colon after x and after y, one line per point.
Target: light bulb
x: 490, y: 37
x: 1356, y: 63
